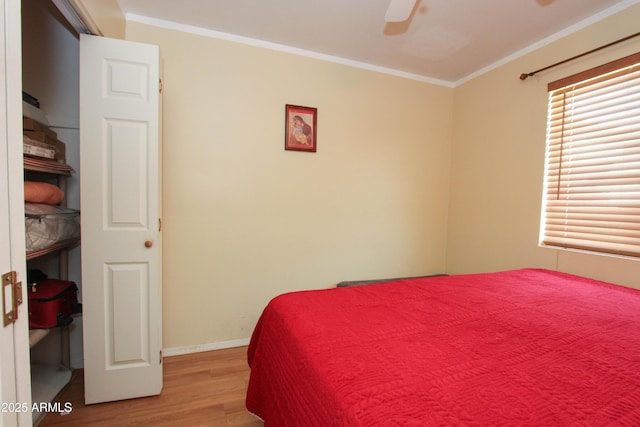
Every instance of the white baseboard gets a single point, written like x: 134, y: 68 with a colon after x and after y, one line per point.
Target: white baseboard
x: 176, y: 351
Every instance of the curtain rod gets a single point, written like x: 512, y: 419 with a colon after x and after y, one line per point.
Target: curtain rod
x: 524, y: 76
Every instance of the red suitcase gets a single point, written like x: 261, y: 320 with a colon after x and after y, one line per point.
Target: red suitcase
x: 52, y: 302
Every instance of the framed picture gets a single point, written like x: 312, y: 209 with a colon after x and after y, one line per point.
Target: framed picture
x: 300, y: 128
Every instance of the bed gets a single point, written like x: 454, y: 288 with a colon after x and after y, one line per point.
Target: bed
x: 520, y: 347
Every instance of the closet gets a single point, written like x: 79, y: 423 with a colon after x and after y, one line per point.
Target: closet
x: 52, y: 231
x: 107, y: 93
x: 50, y: 70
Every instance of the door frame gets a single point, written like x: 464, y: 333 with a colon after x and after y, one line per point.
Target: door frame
x: 15, y: 341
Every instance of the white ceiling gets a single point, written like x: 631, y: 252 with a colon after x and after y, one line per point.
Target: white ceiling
x: 446, y: 41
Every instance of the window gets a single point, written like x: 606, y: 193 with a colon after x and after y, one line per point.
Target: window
x: 592, y: 170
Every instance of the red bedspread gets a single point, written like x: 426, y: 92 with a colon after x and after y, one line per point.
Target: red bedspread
x: 524, y: 347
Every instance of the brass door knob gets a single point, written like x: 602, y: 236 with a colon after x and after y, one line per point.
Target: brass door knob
x: 148, y: 244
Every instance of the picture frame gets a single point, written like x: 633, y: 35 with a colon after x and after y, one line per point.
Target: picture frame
x: 301, y: 130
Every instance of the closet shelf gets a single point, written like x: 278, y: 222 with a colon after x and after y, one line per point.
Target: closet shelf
x: 35, y: 335
x: 47, y: 166
x: 67, y: 244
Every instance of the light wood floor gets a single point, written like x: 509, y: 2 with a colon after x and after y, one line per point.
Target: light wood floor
x: 201, y: 389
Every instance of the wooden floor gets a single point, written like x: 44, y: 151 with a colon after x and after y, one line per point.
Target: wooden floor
x: 201, y: 389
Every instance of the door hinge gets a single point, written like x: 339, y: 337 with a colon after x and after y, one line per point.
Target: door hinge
x: 161, y: 357
x: 10, y: 304
x: 160, y: 86
x: 159, y: 224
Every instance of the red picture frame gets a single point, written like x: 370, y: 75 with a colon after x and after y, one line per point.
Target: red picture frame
x: 300, y: 128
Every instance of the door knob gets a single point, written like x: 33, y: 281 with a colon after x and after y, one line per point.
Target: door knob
x: 148, y: 244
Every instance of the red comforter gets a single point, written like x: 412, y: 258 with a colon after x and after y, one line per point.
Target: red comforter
x: 524, y: 347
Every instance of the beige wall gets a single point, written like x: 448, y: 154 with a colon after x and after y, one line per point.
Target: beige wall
x: 245, y: 220
x: 498, y: 158
x: 409, y: 178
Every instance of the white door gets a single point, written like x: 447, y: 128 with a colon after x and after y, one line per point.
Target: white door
x: 120, y: 218
x: 15, y: 379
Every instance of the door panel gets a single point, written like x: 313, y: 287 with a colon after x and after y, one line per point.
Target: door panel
x: 120, y: 205
x: 129, y: 292
x: 127, y: 154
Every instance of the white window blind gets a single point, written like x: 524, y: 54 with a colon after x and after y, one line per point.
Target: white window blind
x: 592, y: 170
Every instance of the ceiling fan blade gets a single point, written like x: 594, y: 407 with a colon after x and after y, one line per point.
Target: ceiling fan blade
x: 399, y: 10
